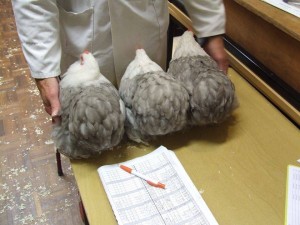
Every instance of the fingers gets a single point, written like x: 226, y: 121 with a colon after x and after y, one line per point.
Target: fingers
x: 49, y: 90
x: 55, y: 109
x: 223, y: 64
x: 215, y: 48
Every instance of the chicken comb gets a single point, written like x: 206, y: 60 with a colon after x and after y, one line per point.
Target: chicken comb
x: 191, y: 31
x: 138, y: 46
x: 81, y: 57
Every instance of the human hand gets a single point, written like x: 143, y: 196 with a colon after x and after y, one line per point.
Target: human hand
x: 49, y: 91
x: 214, y: 46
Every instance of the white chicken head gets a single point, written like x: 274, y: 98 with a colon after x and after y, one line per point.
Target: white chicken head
x: 187, y: 46
x: 84, y: 69
x: 140, y: 65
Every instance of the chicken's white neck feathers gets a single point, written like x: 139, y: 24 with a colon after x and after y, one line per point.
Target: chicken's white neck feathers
x: 140, y: 65
x: 79, y: 73
x: 187, y: 46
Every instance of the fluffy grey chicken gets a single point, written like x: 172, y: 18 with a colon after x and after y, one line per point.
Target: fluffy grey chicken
x: 92, y: 113
x: 156, y: 104
x: 212, y: 94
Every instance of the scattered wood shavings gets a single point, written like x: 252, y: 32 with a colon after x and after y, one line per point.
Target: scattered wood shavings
x: 38, y: 131
x: 39, y: 111
x: 43, y: 191
x: 22, y: 206
x: 34, y: 91
x: 33, y: 117
x: 30, y: 190
x: 49, y: 142
x: 17, y: 194
x: 27, y: 219
x: 11, y: 52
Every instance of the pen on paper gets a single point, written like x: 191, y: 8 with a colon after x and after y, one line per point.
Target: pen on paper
x: 144, y: 177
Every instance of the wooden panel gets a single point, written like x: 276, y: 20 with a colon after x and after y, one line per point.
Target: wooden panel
x: 265, y: 89
x: 276, y: 49
x: 279, y: 18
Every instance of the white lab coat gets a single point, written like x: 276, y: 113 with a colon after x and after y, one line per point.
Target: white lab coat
x: 53, y: 33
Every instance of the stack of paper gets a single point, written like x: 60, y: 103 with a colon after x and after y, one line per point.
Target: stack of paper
x: 134, y: 201
x: 291, y: 7
x: 292, y: 214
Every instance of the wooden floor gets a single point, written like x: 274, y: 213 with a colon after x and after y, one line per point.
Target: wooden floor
x: 30, y: 190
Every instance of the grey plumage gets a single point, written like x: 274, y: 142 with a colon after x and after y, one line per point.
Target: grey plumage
x: 156, y: 104
x: 92, y: 112
x: 212, y: 94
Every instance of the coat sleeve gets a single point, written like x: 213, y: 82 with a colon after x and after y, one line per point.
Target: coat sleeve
x: 38, y: 29
x: 208, y: 16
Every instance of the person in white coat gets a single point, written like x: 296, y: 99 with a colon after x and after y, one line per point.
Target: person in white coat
x: 54, y: 33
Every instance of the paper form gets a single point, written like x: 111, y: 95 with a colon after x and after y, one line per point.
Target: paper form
x: 287, y: 6
x: 134, y: 201
x: 292, y: 214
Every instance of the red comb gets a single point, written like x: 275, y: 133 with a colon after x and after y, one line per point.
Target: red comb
x: 81, y: 56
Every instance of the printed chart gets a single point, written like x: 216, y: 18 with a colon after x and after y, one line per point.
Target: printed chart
x: 134, y: 201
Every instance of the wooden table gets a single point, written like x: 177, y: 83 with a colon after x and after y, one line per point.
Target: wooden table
x: 240, y: 167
